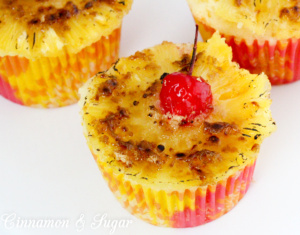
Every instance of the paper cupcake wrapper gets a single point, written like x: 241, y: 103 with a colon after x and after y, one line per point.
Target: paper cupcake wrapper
x: 280, y: 61
x: 54, y: 81
x: 186, y: 208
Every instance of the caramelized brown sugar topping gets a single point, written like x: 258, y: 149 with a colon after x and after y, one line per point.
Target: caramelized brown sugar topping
x: 249, y: 18
x: 127, y: 130
x: 44, y: 13
x: 54, y: 24
x: 292, y: 13
x: 287, y: 9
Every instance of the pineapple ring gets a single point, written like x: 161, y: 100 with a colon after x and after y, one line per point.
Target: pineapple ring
x: 49, y: 28
x: 126, y: 130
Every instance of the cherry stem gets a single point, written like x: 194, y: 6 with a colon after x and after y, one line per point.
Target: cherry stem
x: 194, y: 53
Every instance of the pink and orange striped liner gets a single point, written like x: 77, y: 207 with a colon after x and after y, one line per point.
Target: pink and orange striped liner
x: 280, y: 61
x: 54, y: 81
x: 179, y: 209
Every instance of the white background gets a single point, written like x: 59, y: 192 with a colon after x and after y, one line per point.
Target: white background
x: 47, y: 171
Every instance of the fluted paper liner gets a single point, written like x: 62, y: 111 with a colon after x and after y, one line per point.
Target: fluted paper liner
x: 186, y: 208
x: 54, y: 81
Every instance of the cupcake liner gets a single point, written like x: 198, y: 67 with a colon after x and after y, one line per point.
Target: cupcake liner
x: 54, y: 81
x: 189, y: 207
x: 279, y: 60
x: 8, y: 92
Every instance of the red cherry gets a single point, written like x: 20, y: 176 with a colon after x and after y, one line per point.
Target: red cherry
x: 185, y: 95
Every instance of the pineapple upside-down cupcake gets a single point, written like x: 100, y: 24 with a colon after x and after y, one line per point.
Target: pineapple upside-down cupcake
x: 48, y: 49
x: 264, y: 35
x: 177, y: 150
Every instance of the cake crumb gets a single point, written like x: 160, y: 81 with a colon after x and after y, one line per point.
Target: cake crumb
x: 240, y: 25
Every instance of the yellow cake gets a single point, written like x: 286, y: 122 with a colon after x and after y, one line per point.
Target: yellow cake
x: 264, y: 35
x: 160, y: 169
x: 48, y: 49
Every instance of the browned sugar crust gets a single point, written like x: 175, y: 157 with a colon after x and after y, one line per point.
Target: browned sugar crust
x: 45, y: 14
x: 292, y: 13
x: 113, y: 125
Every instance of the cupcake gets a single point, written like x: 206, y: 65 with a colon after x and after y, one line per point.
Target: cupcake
x: 264, y: 35
x: 177, y: 150
x: 48, y: 49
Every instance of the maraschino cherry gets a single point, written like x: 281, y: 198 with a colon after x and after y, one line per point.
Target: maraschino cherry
x: 186, y: 95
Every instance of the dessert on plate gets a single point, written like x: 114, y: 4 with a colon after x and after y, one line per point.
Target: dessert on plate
x: 176, y: 140
x: 48, y: 49
x: 264, y: 35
